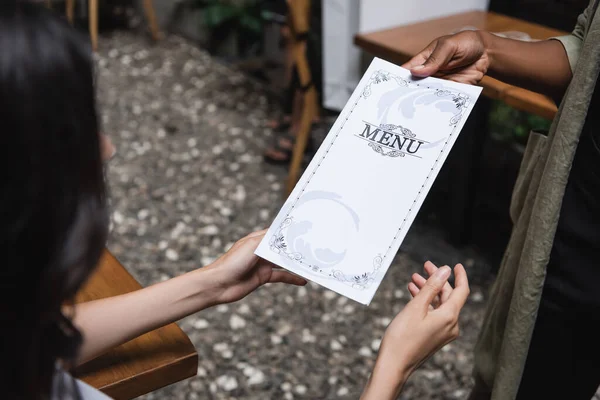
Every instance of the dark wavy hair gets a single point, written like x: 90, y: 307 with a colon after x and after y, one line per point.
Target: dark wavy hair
x: 52, y: 201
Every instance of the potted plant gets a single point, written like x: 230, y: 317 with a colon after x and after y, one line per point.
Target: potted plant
x: 235, y: 26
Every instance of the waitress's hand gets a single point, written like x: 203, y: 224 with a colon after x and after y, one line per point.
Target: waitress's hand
x: 427, y: 323
x: 462, y: 57
x: 239, y: 271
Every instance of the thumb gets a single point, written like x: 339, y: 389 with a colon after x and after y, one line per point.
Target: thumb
x: 433, y: 286
x: 439, y: 57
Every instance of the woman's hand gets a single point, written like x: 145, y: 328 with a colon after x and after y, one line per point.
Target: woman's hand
x: 427, y: 323
x: 107, y: 148
x: 461, y: 57
x: 239, y: 271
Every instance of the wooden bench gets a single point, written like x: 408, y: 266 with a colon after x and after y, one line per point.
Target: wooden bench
x: 142, y: 365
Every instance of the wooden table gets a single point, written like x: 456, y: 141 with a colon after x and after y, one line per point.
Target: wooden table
x: 399, y: 44
x: 147, y: 363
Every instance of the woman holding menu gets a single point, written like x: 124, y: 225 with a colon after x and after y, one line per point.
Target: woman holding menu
x: 55, y: 223
x: 551, y: 267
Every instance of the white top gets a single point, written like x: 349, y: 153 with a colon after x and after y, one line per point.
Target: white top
x: 64, y: 386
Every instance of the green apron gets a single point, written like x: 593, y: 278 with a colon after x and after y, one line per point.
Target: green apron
x: 501, y: 350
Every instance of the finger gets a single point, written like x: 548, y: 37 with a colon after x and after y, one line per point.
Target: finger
x: 430, y: 268
x: 252, y: 240
x: 419, y: 282
x: 281, y: 276
x: 257, y: 233
x: 420, y: 58
x: 461, y: 287
x: 413, y: 289
x: 433, y: 286
x: 439, y: 57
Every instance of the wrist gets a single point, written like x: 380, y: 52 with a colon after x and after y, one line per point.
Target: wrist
x: 208, y: 286
x: 387, y: 379
x: 489, y: 46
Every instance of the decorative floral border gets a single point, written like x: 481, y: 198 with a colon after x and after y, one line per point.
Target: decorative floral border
x: 278, y: 243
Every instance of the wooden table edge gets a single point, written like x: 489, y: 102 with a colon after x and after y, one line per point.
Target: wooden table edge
x: 182, y: 365
x: 122, y: 389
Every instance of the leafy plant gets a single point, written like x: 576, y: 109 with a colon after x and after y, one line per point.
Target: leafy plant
x: 510, y: 125
x: 225, y: 17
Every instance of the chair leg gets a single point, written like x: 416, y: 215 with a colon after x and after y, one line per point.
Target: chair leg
x: 70, y: 10
x: 151, y: 16
x: 308, y: 114
x: 93, y: 12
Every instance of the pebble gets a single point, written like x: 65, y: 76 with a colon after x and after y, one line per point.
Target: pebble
x: 329, y: 295
x: 300, y: 389
x: 276, y: 339
x: 375, y: 344
x: 263, y: 214
x: 209, y: 230
x: 200, y: 324
x: 236, y: 322
x: 222, y: 308
x: 221, y: 347
x: 172, y: 255
x: 240, y: 194
x: 227, y: 383
x: 342, y: 391
x: 118, y: 218
x: 365, y: 351
x: 255, y: 376
x: 308, y: 337
x: 284, y: 329
x: 244, y: 309
x: 207, y: 261
x: 335, y: 345
x: 432, y: 375
x: 286, y: 386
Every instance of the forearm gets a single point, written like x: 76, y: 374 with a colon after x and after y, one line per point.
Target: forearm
x: 541, y: 66
x: 387, y: 379
x: 109, y: 322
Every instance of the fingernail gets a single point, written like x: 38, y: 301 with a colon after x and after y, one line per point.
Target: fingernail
x: 418, y: 67
x: 443, y: 273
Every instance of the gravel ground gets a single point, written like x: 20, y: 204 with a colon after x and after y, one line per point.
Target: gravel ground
x: 188, y: 180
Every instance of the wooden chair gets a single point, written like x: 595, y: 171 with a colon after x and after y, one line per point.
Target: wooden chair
x: 300, y: 23
x: 93, y: 19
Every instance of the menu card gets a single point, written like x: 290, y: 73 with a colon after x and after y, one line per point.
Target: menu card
x: 346, y: 218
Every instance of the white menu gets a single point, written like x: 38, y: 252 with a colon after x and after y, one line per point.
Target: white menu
x: 345, y: 220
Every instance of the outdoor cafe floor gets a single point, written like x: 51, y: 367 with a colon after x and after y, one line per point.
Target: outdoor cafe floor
x: 188, y: 180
